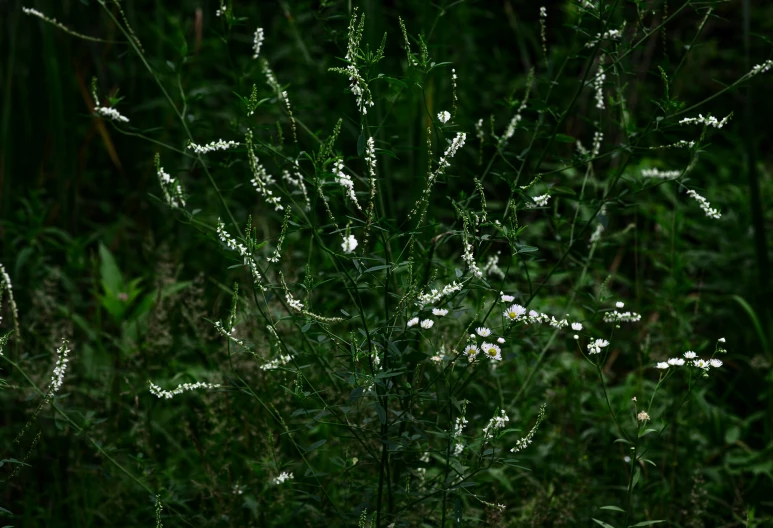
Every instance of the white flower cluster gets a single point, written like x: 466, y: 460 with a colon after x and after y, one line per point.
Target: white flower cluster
x: 461, y: 421
x: 444, y: 116
x: 708, y: 121
x: 294, y: 303
x: 110, y: 113
x: 594, y: 347
x: 231, y: 243
x: 173, y: 191
x: 663, y: 175
x: 5, y: 285
x: 679, y: 144
x: 539, y: 201
x: 260, y: 178
x: 349, y: 244
x: 450, y: 152
x: 276, y: 363
x: 705, y: 205
x: 283, y: 477
x: 621, y: 317
x: 536, y: 317
x: 298, y: 182
x: 612, y: 34
x: 470, y: 260
x: 257, y: 42
x: 761, y: 68
x: 345, y: 181
x: 370, y: 156
x: 479, y: 129
x: 524, y: 442
x: 210, y: 147
x: 57, y: 378
x: 543, y: 12
x: 157, y: 391
x: 435, y: 295
x: 690, y: 359
x: 229, y: 334
x: 598, y: 85
x: 495, y: 424
x: 492, y: 267
x: 360, y: 89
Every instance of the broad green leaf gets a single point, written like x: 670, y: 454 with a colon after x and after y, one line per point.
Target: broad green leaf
x: 602, y: 523
x: 613, y: 508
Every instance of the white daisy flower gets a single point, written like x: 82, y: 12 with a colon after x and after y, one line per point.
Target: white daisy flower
x: 662, y: 365
x: 678, y: 362
x: 701, y: 363
x: 619, y: 304
x: 483, y: 331
x: 492, y: 351
x: 514, y: 312
x: 716, y: 363
x: 470, y: 351
x: 413, y: 322
x: 576, y: 327
x: 440, y: 312
x: 427, y: 324
x: 690, y: 354
x: 506, y: 298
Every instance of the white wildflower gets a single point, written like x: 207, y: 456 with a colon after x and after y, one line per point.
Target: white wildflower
x: 483, y: 331
x: 594, y: 347
x: 427, y: 324
x: 471, y: 351
x: 57, y: 378
x: 495, y: 424
x: 701, y: 363
x: 349, y: 244
x: 157, y: 391
x: 413, y: 322
x: 761, y: 68
x: 283, y: 477
x: 612, y: 34
x: 619, y: 304
x: 514, y: 312
x: 621, y: 317
x: 690, y: 355
x: 524, y: 442
x: 716, y: 363
x: 708, y: 121
x: 539, y: 201
x: 444, y: 116
x: 492, y: 351
x: 436, y: 295
x: 220, y: 144
x: 576, y: 327
x: 440, y: 312
x: 643, y: 416
x: 662, y: 365
x: 506, y: 298
x: 705, y: 205
x: 598, y: 85
x: 456, y: 433
x: 501, y: 340
x: 111, y: 113
x: 345, y: 181
x: 257, y: 42
x: 659, y: 174
x: 277, y: 363
x: 677, y: 362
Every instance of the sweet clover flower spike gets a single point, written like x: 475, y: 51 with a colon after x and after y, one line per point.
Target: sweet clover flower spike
x: 345, y: 181
x: 57, y: 378
x: 492, y: 351
x: 598, y: 85
x: 621, y: 317
x: 495, y: 424
x: 761, y: 68
x: 612, y: 34
x: 6, y: 286
x: 171, y: 187
x: 436, y: 295
x: 157, y: 391
x: 705, y: 205
x: 457, y: 433
x: 110, y: 113
x: 539, y: 201
x: 659, y: 174
x: 220, y: 144
x: 524, y: 442
x: 283, y: 477
x: 257, y: 43
x: 708, y: 121
x: 444, y: 116
x: 277, y: 363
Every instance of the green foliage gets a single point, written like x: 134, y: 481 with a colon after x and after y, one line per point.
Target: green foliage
x: 339, y: 200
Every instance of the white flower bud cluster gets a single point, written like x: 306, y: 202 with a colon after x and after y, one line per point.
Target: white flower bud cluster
x: 659, y: 174
x: 157, y: 391
x: 435, y: 295
x: 598, y: 85
x: 705, y: 205
x: 594, y: 347
x: 524, y: 442
x: 294, y: 303
x: 274, y: 364
x: 220, y: 144
x: 708, y: 121
x: 229, y: 334
x: 231, y: 244
x: 5, y: 285
x: 679, y: 144
x: 261, y: 179
x: 257, y: 42
x: 110, y: 113
x: 536, y: 317
x: 461, y: 421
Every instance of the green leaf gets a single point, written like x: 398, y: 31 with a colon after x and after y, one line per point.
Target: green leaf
x: 646, y: 523
x: 315, y: 445
x: 647, y: 431
x: 636, y: 477
x: 381, y: 412
x: 112, y: 280
x: 732, y: 435
x: 563, y: 138
x: 361, y: 144
x: 613, y: 508
x: 602, y: 523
